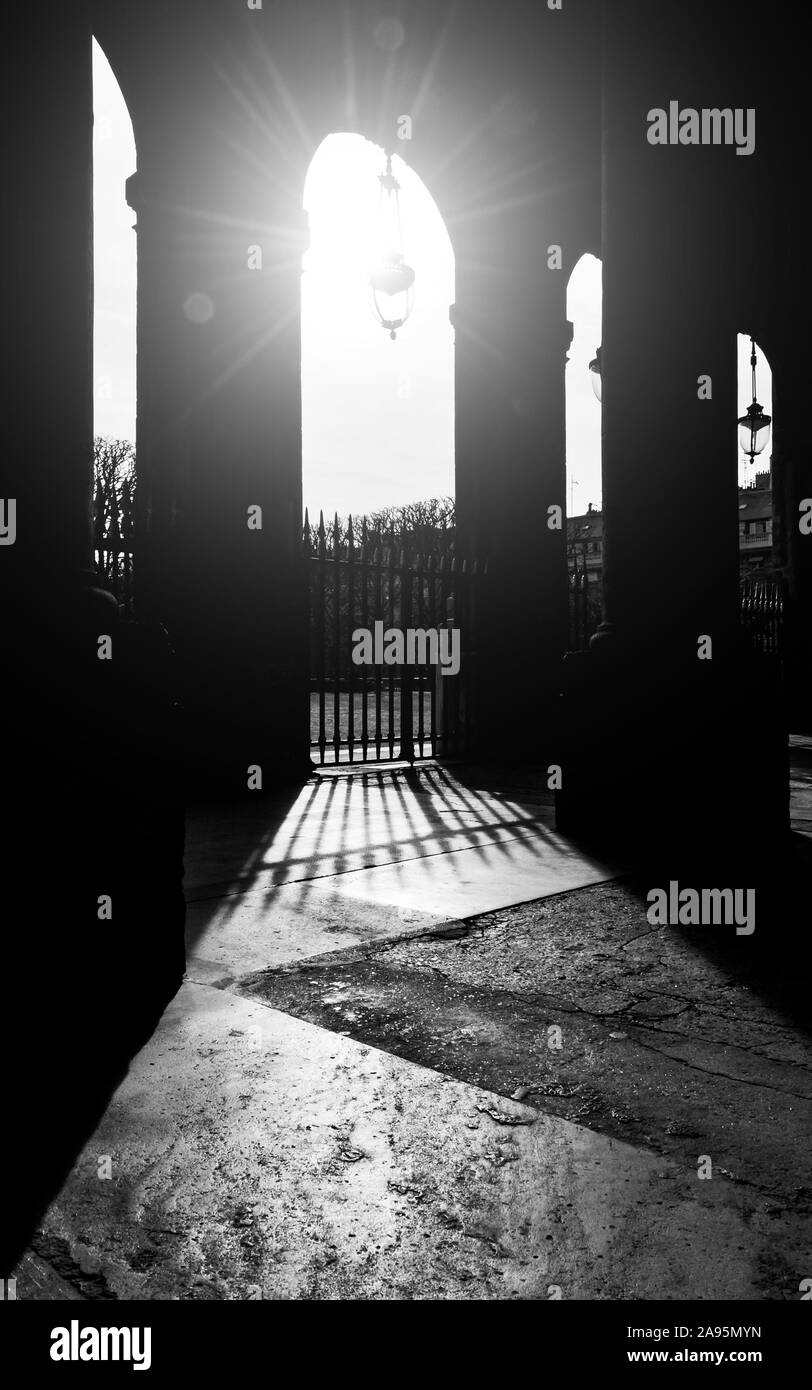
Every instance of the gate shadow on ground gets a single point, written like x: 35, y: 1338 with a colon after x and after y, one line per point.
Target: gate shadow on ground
x: 775, y: 962
x: 367, y: 819
x: 338, y: 824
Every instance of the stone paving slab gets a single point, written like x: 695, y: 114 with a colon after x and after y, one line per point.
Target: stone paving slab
x: 255, y: 1155
x: 363, y: 858
x: 265, y: 928
x: 246, y: 932
x: 338, y: 823
x: 667, y: 1038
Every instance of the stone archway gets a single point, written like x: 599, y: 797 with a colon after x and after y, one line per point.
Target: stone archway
x: 227, y: 109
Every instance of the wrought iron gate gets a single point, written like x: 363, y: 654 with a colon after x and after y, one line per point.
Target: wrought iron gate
x: 405, y: 583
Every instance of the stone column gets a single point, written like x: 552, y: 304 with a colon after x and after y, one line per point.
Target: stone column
x: 47, y: 414
x: 219, y: 433
x: 661, y: 710
x: 792, y: 488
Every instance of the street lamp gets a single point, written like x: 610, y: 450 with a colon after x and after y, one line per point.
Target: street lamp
x: 595, y: 374
x: 754, y: 425
x: 391, y: 278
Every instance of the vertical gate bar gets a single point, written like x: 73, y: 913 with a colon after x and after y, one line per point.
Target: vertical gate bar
x: 466, y: 609
x: 479, y: 580
x: 474, y: 618
x: 435, y: 619
x: 321, y: 634
x: 310, y: 624
x: 336, y: 642
x: 377, y: 562
x: 471, y: 620
x: 406, y: 682
x: 466, y: 599
x: 391, y: 669
x: 350, y: 627
x: 421, y: 673
x: 363, y: 675
x: 452, y: 601
x: 309, y: 620
x: 441, y: 611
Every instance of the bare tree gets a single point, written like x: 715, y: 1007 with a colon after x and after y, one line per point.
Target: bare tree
x: 113, y: 501
x: 427, y: 526
x: 113, y: 486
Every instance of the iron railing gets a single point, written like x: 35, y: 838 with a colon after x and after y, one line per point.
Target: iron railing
x: 584, y: 601
x: 378, y: 712
x: 762, y: 615
x: 113, y: 526
x: 761, y: 609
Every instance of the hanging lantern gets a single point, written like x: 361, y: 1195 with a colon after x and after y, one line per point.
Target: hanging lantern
x: 595, y: 374
x: 391, y: 279
x: 754, y: 425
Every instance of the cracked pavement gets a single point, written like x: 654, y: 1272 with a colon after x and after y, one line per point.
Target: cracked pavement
x: 659, y: 1045
x: 359, y: 1093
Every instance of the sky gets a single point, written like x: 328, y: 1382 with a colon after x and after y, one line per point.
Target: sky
x: 378, y: 416
x: 582, y: 405
x: 764, y: 395
x: 114, y: 257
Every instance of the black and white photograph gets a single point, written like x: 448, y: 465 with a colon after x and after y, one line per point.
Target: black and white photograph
x: 406, y: 575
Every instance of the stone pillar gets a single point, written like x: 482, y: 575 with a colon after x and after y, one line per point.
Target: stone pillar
x: 93, y: 830
x: 512, y: 337
x: 219, y: 447
x: 47, y: 377
x: 510, y: 359
x: 669, y: 385
x: 792, y: 487
x: 661, y: 729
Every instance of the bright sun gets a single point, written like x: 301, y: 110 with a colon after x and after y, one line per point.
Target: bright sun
x: 378, y: 415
